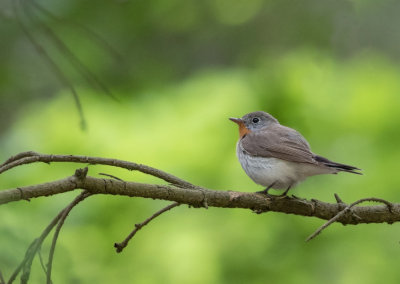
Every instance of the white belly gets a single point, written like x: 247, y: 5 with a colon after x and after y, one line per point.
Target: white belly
x: 281, y: 173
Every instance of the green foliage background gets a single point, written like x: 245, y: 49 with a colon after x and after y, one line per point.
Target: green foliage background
x: 324, y: 69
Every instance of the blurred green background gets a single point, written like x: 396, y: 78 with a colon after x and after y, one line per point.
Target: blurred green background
x: 179, y: 69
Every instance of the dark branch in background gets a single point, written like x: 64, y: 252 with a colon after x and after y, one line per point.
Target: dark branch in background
x: 120, y: 246
x: 18, y: 5
x: 178, y: 191
x: 81, y: 68
x: 89, y: 33
x: 26, y: 17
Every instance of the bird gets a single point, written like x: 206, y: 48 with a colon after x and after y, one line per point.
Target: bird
x: 279, y: 157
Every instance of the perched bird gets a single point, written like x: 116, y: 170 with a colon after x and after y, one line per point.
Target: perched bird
x: 276, y: 156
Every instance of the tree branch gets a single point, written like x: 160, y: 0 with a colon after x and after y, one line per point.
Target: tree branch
x: 33, y: 157
x: 178, y: 191
x: 64, y: 216
x: 215, y: 198
x: 120, y: 246
x: 346, y: 210
x: 35, y: 246
x: 30, y: 253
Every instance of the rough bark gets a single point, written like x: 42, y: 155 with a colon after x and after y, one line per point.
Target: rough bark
x: 177, y: 190
x: 202, y: 197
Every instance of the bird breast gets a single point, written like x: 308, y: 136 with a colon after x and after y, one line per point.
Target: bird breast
x: 266, y: 171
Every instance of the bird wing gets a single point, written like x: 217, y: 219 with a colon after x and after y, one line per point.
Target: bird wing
x: 278, y: 141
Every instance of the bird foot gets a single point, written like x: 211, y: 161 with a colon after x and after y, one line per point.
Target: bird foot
x: 298, y: 198
x: 280, y: 196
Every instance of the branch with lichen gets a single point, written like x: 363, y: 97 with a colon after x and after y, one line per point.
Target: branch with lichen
x: 176, y: 190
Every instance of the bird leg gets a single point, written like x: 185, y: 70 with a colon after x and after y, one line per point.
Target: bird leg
x: 283, y: 195
x: 285, y: 192
x: 265, y: 191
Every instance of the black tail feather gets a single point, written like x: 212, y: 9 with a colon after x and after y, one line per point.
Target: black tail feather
x: 338, y: 166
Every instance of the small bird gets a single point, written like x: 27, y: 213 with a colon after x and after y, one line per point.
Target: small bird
x: 278, y: 157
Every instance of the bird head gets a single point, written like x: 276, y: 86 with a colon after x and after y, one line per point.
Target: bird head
x: 254, y: 121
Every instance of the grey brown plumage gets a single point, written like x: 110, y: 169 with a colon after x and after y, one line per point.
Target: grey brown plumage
x: 268, y: 150
x: 285, y: 143
x: 280, y: 142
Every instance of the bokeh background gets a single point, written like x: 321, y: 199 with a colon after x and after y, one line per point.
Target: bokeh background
x: 178, y: 70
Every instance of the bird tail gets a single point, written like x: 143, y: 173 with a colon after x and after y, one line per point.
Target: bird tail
x: 338, y: 166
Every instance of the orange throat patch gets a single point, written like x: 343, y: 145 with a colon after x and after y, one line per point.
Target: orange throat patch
x: 243, y: 130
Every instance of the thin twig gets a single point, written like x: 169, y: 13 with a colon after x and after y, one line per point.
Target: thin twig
x: 37, y: 157
x: 41, y: 260
x: 18, y: 157
x: 111, y: 176
x: 345, y: 210
x: 120, y: 246
x: 338, y: 199
x: 68, y: 209
x: 34, y: 247
x: 2, y: 281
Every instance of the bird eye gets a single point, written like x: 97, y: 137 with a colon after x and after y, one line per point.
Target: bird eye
x: 256, y: 120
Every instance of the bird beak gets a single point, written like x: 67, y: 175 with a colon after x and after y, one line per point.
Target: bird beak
x: 236, y: 120
x: 243, y: 130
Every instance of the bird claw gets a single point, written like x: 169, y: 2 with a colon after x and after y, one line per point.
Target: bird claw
x: 273, y: 196
x: 266, y: 194
x: 280, y: 196
x: 298, y: 198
